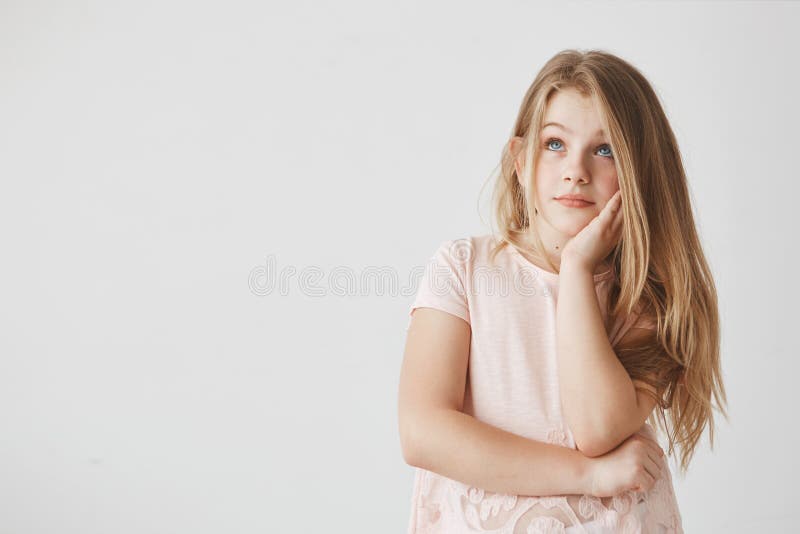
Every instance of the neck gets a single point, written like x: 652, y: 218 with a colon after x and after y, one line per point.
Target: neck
x: 553, y: 244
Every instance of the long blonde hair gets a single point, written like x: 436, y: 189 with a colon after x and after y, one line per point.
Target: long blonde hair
x: 659, y: 265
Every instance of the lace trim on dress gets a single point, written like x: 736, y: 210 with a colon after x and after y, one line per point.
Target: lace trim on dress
x: 443, y: 500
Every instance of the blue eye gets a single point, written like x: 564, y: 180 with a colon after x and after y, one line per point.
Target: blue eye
x: 549, y: 141
x: 556, y: 140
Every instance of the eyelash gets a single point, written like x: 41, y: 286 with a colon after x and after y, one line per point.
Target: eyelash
x: 547, y: 145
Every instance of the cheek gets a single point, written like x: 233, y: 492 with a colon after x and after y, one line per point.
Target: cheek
x: 544, y: 192
x: 608, y: 185
x: 546, y: 182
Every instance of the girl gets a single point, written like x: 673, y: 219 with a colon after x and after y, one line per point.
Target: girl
x: 536, y: 355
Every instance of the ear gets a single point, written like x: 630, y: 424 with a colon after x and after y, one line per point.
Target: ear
x: 516, y: 145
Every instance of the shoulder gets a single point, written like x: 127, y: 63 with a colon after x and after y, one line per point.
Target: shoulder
x: 456, y: 262
x: 466, y: 252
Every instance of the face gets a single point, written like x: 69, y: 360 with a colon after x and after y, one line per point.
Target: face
x: 574, y: 159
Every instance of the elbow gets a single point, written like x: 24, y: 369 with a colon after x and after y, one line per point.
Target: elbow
x: 598, y: 435
x: 591, y: 448
x: 410, y: 454
x: 409, y: 441
x: 594, y: 444
x: 420, y: 436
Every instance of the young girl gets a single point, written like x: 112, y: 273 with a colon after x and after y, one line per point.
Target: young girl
x: 537, y: 354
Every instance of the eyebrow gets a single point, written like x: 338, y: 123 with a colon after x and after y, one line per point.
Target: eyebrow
x: 558, y: 124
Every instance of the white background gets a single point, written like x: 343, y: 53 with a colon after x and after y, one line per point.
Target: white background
x: 154, y: 155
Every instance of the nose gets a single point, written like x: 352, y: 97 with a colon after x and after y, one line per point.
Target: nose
x: 576, y: 171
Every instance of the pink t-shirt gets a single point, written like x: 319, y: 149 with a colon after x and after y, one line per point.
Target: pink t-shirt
x: 513, y: 384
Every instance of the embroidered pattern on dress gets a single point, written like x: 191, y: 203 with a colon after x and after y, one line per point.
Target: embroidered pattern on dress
x: 546, y: 525
x: 488, y: 506
x: 475, y: 507
x: 430, y: 513
x: 557, y: 436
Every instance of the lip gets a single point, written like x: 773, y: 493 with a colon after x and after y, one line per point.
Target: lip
x: 574, y: 201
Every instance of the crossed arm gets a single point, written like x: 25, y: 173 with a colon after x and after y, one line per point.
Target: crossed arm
x: 600, y: 402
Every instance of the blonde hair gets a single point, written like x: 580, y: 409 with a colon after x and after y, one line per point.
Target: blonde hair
x: 659, y: 266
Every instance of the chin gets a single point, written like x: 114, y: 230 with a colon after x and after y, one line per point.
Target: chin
x: 571, y: 227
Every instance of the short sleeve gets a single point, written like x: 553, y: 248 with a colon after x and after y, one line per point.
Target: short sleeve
x: 442, y: 285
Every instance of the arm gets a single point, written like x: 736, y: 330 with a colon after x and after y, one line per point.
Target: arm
x: 466, y: 449
x: 601, y: 403
x: 436, y: 435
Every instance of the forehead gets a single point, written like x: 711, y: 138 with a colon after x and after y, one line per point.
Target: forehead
x: 573, y: 113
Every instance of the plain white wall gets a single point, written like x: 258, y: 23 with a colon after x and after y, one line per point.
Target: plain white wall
x: 162, y: 162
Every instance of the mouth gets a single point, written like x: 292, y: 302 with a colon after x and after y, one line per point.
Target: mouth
x: 574, y: 202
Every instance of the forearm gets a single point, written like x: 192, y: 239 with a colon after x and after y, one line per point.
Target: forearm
x: 461, y: 447
x: 595, y: 387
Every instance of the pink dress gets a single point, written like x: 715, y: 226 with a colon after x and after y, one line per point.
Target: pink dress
x: 513, y: 384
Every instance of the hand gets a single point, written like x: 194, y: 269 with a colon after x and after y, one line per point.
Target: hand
x: 598, y: 238
x: 635, y: 464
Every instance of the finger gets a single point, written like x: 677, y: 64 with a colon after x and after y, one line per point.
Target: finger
x: 641, y: 434
x: 653, y: 453
x: 645, y: 481
x: 615, y: 201
x: 609, y: 211
x: 616, y: 225
x: 653, y: 466
x: 652, y: 445
x: 611, y: 203
x: 655, y: 447
x: 618, y: 214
